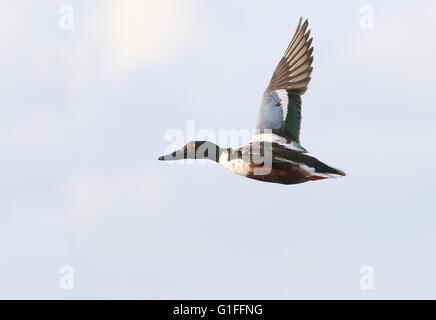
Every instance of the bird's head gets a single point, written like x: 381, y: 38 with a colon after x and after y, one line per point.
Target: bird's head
x: 195, y: 150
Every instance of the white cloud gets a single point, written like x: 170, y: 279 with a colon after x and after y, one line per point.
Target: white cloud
x: 110, y: 38
x: 95, y: 197
x: 38, y: 130
x: 115, y: 213
x: 34, y: 242
x: 12, y: 26
x: 134, y: 33
x: 401, y: 41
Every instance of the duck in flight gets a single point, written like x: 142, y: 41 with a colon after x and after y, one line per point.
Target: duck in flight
x: 274, y: 154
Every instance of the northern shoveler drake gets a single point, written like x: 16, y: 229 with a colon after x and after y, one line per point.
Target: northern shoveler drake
x: 274, y: 154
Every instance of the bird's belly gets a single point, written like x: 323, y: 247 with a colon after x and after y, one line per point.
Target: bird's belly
x: 288, y: 175
x: 283, y: 175
x: 237, y: 166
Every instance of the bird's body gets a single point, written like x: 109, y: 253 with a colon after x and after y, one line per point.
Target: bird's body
x: 274, y: 154
x: 268, y: 158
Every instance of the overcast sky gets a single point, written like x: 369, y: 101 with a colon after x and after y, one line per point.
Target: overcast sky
x: 85, y: 107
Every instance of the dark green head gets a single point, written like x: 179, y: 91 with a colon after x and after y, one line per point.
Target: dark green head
x: 195, y: 150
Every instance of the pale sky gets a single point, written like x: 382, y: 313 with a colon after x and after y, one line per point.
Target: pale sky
x: 84, y: 115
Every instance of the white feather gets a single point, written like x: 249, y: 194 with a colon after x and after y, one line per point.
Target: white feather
x: 283, y: 95
x: 272, y: 137
x: 237, y: 166
x: 310, y: 171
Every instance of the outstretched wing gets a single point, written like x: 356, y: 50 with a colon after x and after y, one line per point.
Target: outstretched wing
x: 281, y: 103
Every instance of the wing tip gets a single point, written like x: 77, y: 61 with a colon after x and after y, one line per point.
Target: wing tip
x: 302, y: 24
x: 300, y: 49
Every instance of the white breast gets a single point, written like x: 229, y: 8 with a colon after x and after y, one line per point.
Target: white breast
x: 237, y: 166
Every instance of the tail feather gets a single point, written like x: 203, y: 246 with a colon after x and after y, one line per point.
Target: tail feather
x: 324, y: 171
x: 328, y: 173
